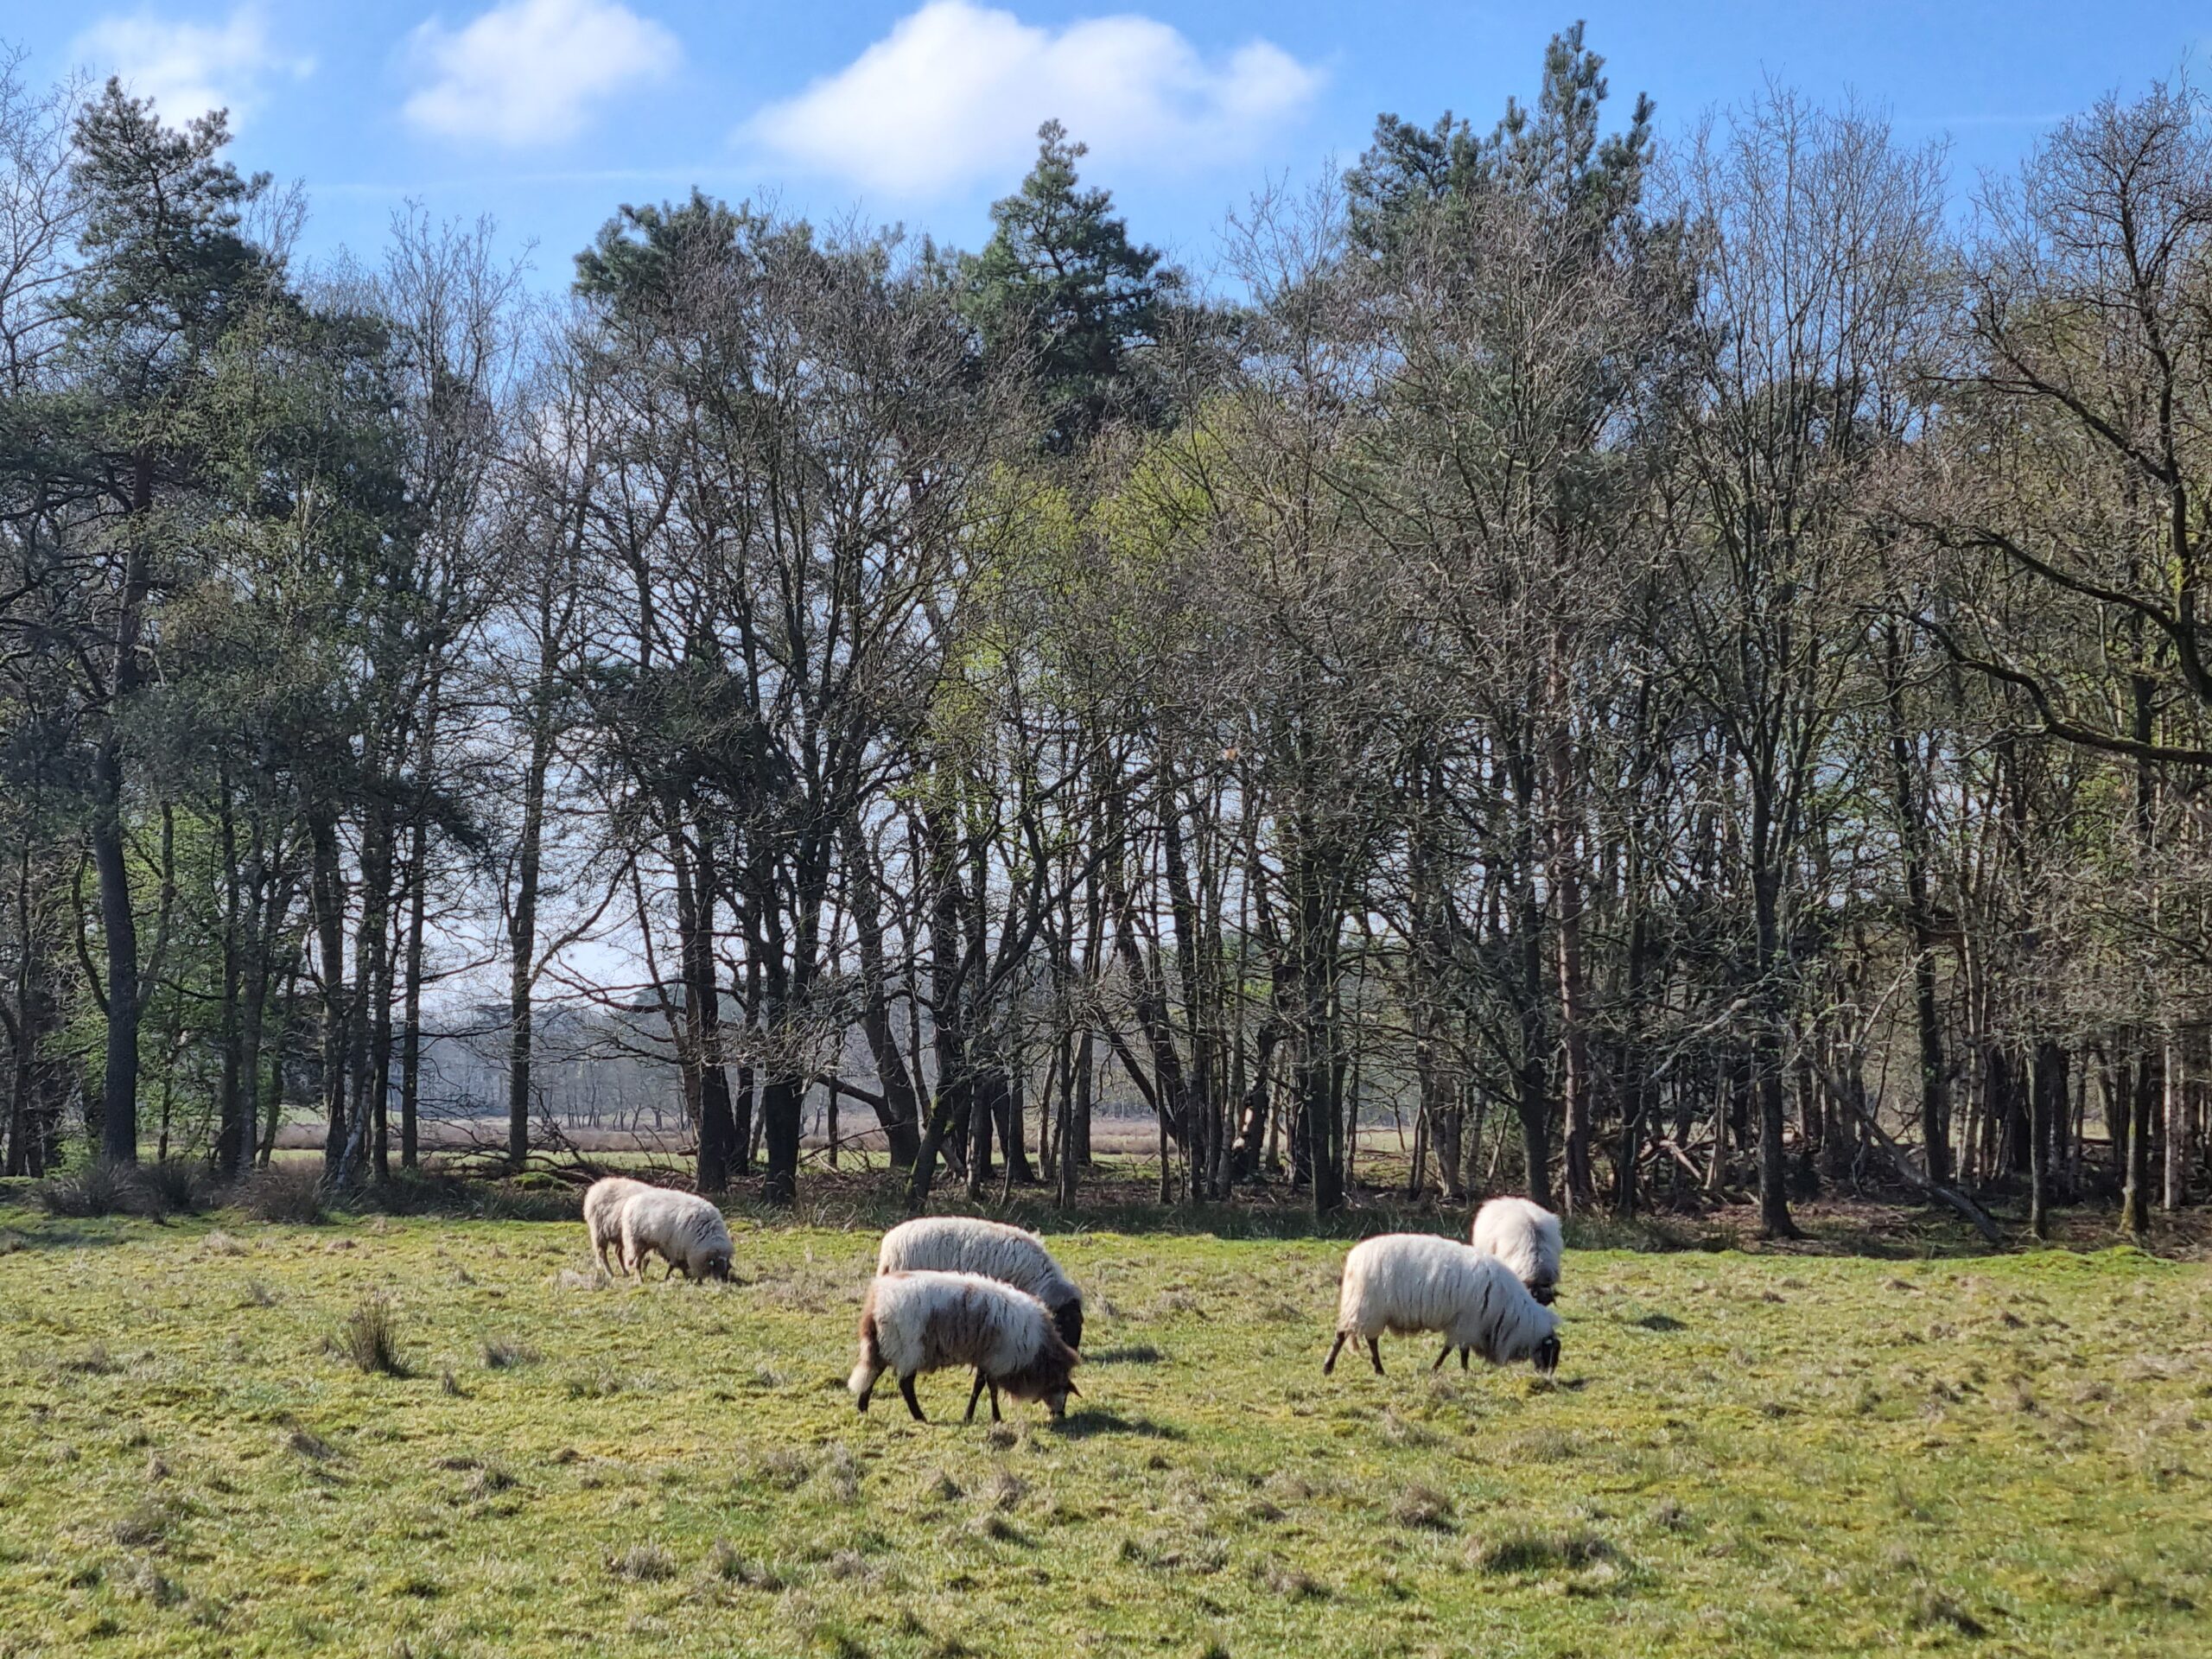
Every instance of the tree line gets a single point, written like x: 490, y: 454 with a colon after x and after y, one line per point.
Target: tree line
x: 1682, y: 658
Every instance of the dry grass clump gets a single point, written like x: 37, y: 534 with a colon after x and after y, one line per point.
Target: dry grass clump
x: 100, y: 1189
x: 144, y: 1527
x: 1529, y: 1550
x: 369, y: 1338
x: 1423, y: 1508
x: 95, y: 1361
x: 171, y: 1186
x: 642, y: 1564
x: 288, y: 1193
x: 500, y: 1355
x: 1934, y: 1610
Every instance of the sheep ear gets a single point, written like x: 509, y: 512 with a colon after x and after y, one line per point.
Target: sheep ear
x: 1075, y: 1390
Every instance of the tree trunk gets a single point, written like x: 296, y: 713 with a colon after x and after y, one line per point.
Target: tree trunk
x: 2175, y: 1193
x: 2046, y: 1105
x: 329, y: 895
x: 1935, y: 1105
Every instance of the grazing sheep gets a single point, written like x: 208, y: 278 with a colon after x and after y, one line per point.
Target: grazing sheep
x: 962, y: 1244
x: 1525, y: 1236
x: 686, y: 1230
x: 927, y: 1321
x: 1407, y: 1282
x: 603, y: 1202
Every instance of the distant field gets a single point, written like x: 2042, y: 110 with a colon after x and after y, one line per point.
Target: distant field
x: 1743, y: 1455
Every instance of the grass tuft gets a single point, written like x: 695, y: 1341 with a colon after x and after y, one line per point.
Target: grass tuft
x: 1933, y: 1610
x: 1423, y: 1508
x: 505, y: 1355
x: 1539, y: 1551
x: 172, y: 1186
x: 643, y: 1564
x: 94, y: 1361
x: 144, y: 1527
x: 369, y: 1338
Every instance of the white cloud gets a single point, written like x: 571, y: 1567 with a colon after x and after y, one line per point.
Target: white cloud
x: 955, y: 91
x: 530, y: 72
x: 188, y: 69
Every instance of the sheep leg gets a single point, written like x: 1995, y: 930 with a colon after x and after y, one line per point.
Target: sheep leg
x: 975, y: 1393
x: 1441, y: 1357
x: 1463, y: 1360
x: 994, y: 1404
x: 1375, y: 1353
x: 906, y: 1387
x: 1335, y: 1348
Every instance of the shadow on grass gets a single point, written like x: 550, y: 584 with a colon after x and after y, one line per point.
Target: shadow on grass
x: 1084, y: 1423
x: 1138, y: 1353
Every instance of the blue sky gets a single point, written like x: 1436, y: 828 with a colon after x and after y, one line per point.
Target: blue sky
x: 548, y: 113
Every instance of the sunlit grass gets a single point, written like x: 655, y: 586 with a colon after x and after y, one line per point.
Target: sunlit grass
x: 1742, y: 1455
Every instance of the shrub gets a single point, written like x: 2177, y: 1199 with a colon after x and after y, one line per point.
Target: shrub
x: 283, y: 1192
x: 98, y: 1189
x: 171, y: 1186
x: 370, y: 1338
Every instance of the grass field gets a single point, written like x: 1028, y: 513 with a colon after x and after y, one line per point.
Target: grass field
x: 1743, y: 1454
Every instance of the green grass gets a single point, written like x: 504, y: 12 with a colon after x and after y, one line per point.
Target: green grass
x: 1743, y: 1455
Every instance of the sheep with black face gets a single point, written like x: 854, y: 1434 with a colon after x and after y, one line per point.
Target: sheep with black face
x: 1526, y: 1237
x: 681, y: 1227
x: 1409, y: 1282
x: 1013, y: 1256
x: 927, y: 1321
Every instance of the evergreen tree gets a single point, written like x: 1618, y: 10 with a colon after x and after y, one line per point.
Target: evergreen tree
x: 1061, y: 283
x: 167, y: 270
x: 1556, y: 154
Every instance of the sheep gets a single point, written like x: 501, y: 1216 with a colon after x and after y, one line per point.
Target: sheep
x: 1407, y: 1282
x: 962, y: 1244
x: 928, y: 1321
x: 687, y: 1232
x: 1525, y: 1236
x: 603, y: 1202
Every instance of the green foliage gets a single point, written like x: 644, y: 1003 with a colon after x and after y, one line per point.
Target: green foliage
x: 168, y: 267
x: 1557, y: 154
x: 1061, y: 287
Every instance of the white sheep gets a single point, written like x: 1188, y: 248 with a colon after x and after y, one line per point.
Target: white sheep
x: 603, y: 1202
x: 1409, y: 1282
x: 687, y: 1232
x: 926, y: 1321
x: 1525, y: 1236
x: 1009, y: 1255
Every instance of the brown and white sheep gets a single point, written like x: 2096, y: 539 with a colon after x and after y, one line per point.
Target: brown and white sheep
x: 926, y: 1321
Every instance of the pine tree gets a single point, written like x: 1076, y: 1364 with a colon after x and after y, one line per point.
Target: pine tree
x: 167, y: 270
x: 1556, y: 154
x: 1061, y: 283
